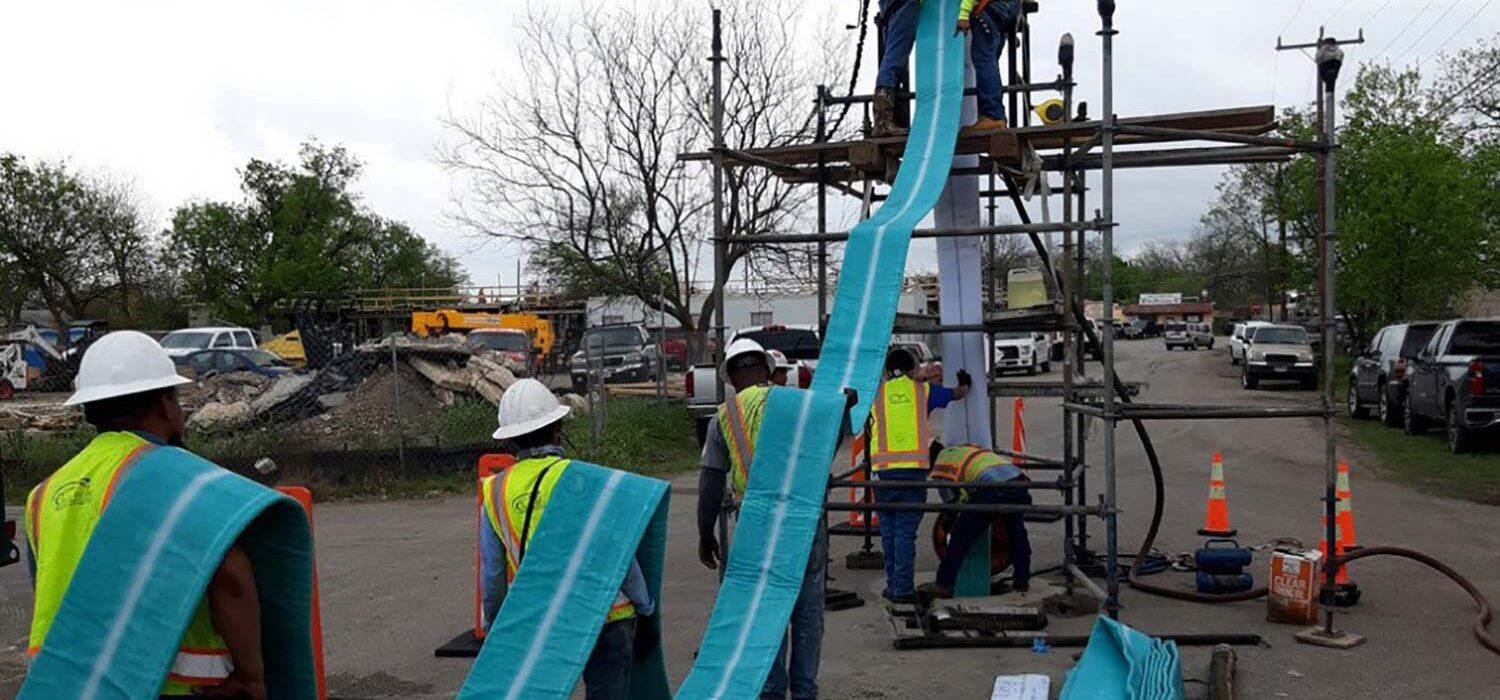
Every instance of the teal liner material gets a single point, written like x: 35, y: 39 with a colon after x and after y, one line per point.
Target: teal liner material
x: 597, y: 520
x: 800, y: 429
x: 147, y: 565
x: 1123, y: 664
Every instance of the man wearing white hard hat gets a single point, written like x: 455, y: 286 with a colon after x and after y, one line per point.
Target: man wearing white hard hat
x: 128, y: 389
x: 531, y: 424
x: 781, y: 370
x: 727, y: 454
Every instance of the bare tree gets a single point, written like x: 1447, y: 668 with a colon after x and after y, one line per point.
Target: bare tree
x: 577, y: 160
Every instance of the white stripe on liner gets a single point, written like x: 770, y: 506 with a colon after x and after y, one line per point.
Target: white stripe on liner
x: 143, y: 573
x: 922, y: 176
x: 565, y: 587
x: 778, y: 518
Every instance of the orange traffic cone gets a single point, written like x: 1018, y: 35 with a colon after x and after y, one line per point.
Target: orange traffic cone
x: 1018, y: 430
x: 1345, y: 510
x: 1216, y: 522
x: 1342, y: 577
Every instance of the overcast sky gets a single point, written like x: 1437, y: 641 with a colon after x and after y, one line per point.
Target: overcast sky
x: 177, y: 95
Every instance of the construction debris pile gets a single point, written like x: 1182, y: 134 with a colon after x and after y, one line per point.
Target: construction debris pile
x: 355, y: 392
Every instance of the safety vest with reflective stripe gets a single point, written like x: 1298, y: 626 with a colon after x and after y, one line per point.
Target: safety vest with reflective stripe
x: 965, y: 464
x: 507, y: 496
x: 900, y: 434
x: 739, y: 421
x: 61, y: 514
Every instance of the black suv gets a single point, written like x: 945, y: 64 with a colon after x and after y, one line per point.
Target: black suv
x: 615, y: 353
x: 1455, y: 381
x: 1378, y: 377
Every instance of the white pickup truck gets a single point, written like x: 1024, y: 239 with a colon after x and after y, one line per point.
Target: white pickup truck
x: 1021, y: 351
x: 800, y: 343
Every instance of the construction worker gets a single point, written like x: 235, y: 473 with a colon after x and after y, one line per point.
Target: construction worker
x: 899, y: 19
x: 515, y: 500
x: 727, y: 455
x: 782, y: 368
x: 898, y: 442
x: 127, y: 387
x: 969, y: 464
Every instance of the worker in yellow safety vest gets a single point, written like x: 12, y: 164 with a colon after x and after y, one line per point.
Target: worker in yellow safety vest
x: 127, y: 387
x: 728, y: 452
x: 515, y: 500
x: 898, y: 439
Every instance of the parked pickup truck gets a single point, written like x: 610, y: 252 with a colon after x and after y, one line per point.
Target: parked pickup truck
x: 800, y: 343
x: 1023, y: 351
x: 1455, y: 381
x: 614, y: 353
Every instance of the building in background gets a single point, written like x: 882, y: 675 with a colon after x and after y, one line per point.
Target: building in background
x: 1164, y: 308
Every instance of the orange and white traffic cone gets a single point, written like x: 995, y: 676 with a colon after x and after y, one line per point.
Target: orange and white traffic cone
x: 859, y: 494
x: 304, y: 499
x: 1346, y: 592
x: 1216, y: 521
x: 1345, y: 510
x: 1018, y: 430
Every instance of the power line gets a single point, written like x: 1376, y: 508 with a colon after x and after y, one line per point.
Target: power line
x: 1289, y: 20
x: 1336, y: 12
x: 1376, y: 13
x: 1431, y: 112
x: 1399, y: 34
x: 1430, y: 27
x: 1461, y: 27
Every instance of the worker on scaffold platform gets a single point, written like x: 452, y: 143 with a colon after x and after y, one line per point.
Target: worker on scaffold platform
x: 988, y: 22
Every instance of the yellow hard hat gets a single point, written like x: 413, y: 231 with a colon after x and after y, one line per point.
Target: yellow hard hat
x: 1052, y: 111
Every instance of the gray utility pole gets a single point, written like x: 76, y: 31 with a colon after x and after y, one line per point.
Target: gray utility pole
x: 1107, y: 288
x: 1329, y: 59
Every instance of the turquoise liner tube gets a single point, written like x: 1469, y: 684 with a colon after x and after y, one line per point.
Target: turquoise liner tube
x: 146, y: 567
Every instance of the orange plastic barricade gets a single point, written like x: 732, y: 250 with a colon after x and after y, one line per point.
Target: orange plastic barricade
x: 304, y: 497
x: 468, y: 642
x: 859, y: 494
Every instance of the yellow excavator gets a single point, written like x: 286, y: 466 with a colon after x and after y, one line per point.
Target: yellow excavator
x: 427, y: 324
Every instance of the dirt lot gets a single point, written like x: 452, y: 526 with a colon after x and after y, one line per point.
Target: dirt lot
x: 397, y: 577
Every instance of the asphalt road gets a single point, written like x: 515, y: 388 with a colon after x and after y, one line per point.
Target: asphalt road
x: 397, y: 577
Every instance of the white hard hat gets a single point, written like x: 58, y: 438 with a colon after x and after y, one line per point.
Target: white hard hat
x: 120, y: 364
x: 745, y: 346
x: 781, y: 361
x: 527, y: 406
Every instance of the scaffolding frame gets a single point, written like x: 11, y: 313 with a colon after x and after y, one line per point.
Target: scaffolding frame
x: 833, y: 165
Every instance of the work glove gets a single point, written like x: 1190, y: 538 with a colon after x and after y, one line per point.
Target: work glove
x: 708, y: 551
x: 964, y: 379
x: 647, y: 638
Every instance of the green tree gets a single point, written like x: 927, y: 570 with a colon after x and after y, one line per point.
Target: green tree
x: 299, y: 231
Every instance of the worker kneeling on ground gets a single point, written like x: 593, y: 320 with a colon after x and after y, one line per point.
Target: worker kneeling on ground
x: 898, y: 439
x: 968, y: 464
x: 531, y: 420
x: 127, y: 386
x: 727, y: 455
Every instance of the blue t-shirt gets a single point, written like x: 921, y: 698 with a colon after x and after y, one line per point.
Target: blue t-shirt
x: 938, y: 396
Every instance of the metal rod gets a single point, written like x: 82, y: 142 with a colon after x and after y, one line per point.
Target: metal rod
x: 1071, y: 336
x: 1011, y: 640
x: 1107, y: 141
x: 1207, y: 413
x: 838, y: 100
x: 1080, y: 178
x: 996, y: 508
x: 1329, y: 53
x: 1208, y: 135
x: 939, y: 484
x: 721, y: 243
x: 1087, y: 582
x: 822, y: 203
x: 1143, y: 158
x: 956, y: 232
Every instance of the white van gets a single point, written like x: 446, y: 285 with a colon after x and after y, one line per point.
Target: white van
x: 1238, y: 339
x: 180, y: 343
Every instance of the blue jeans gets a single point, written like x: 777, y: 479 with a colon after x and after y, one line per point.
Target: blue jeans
x: 806, y: 639
x: 988, y: 32
x: 969, y: 527
x: 606, y: 676
x: 898, y: 530
x: 900, y: 17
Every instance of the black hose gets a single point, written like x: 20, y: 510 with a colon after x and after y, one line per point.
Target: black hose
x: 1133, y: 577
x: 1481, y: 620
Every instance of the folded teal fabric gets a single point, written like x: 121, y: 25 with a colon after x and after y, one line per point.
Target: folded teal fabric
x: 596, y: 521
x: 147, y: 565
x: 1123, y: 664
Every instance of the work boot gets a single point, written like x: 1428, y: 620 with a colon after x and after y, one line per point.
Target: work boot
x: 884, y: 108
x: 985, y: 123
